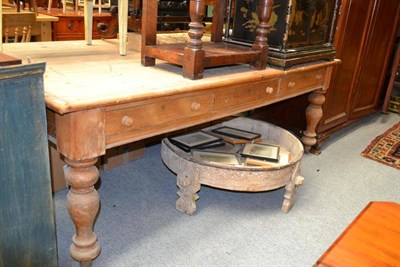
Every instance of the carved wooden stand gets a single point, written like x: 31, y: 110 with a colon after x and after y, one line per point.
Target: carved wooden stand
x: 191, y: 173
x: 195, y: 56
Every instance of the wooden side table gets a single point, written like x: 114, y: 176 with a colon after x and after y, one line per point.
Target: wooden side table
x: 195, y: 56
x: 372, y: 239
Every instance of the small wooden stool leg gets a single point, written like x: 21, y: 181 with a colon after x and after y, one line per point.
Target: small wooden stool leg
x: 261, y: 41
x: 218, y: 20
x: 188, y: 185
x: 290, y: 189
x: 193, y: 55
x: 88, y: 16
x: 149, y: 29
x: 123, y: 25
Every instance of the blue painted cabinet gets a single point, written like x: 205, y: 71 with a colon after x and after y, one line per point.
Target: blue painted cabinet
x: 27, y: 227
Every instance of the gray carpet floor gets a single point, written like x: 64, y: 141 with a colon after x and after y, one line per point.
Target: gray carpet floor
x: 139, y: 226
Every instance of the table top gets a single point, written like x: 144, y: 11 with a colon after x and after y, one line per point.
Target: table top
x: 79, y: 76
x: 372, y: 239
x: 39, y: 17
x: 46, y: 18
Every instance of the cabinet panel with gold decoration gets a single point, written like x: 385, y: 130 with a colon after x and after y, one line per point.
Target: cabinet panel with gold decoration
x: 300, y: 30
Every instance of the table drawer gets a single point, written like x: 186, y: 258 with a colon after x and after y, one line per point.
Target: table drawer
x: 246, y: 93
x: 303, y: 81
x: 73, y: 28
x: 144, y: 116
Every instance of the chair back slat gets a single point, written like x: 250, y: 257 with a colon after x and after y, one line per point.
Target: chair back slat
x: 20, y: 24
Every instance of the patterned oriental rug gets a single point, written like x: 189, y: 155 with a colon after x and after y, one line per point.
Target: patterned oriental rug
x: 385, y: 148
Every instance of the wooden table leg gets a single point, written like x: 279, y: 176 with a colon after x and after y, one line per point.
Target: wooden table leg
x: 149, y: 29
x: 313, y: 116
x: 88, y: 17
x: 261, y: 41
x: 314, y: 111
x: 123, y: 25
x: 81, y: 139
x: 193, y: 55
x: 83, y: 205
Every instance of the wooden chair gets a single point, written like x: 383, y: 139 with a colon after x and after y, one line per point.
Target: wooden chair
x: 32, y: 5
x: 17, y: 26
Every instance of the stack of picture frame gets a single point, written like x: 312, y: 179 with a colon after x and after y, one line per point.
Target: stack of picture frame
x: 199, y: 140
x: 261, y: 151
x: 252, y: 150
x: 237, y: 136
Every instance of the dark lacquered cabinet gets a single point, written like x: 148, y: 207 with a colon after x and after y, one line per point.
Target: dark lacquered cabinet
x: 172, y: 15
x: 300, y: 30
x: 364, y: 41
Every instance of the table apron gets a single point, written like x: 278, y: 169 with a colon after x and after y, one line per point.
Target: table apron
x: 131, y: 122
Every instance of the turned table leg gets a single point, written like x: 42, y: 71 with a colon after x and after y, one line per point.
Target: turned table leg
x: 81, y: 140
x: 188, y: 185
x: 261, y: 41
x: 83, y: 205
x: 193, y: 55
x: 313, y: 116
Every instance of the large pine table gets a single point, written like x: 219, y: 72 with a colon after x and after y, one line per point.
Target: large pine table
x: 97, y: 99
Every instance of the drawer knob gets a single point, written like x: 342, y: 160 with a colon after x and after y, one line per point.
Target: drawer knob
x: 127, y: 121
x: 195, y: 106
x: 269, y: 90
x: 318, y: 76
x: 291, y: 85
x: 70, y: 26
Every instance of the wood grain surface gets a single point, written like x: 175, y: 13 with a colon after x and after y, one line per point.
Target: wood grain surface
x: 79, y: 76
x: 113, y: 100
x: 372, y: 239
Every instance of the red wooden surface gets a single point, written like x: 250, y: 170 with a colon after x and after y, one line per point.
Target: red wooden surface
x: 372, y: 239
